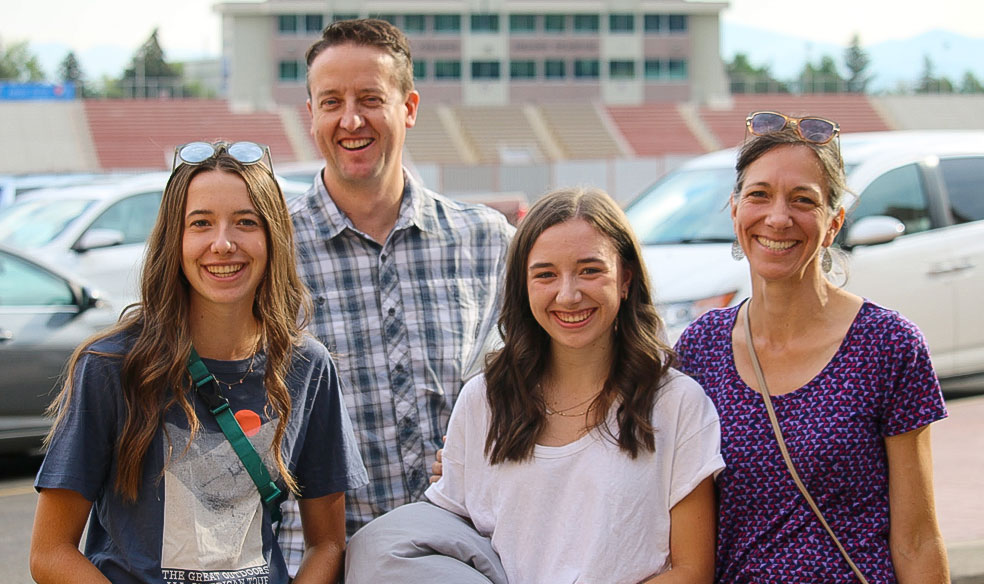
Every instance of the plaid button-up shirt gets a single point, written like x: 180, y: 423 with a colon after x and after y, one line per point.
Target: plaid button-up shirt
x: 407, y: 322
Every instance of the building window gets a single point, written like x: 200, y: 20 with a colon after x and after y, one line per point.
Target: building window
x: 447, y: 69
x: 314, y: 23
x: 676, y: 69
x: 291, y: 71
x: 522, y: 70
x: 390, y: 18
x: 653, y: 23
x: 654, y: 69
x: 621, y: 69
x: 485, y: 23
x: 287, y: 23
x: 677, y: 23
x: 413, y: 23
x: 586, y: 23
x: 555, y: 23
x: 419, y: 69
x: 554, y: 69
x: 447, y: 23
x: 587, y: 69
x: 343, y: 16
x: 621, y: 22
x: 522, y: 23
x: 485, y: 69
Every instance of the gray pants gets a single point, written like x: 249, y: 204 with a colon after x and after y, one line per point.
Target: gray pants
x: 421, y: 542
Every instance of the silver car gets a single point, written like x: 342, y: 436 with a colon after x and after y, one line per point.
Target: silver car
x: 44, y: 315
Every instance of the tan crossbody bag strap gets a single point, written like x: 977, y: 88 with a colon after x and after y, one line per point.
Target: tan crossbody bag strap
x: 764, y: 390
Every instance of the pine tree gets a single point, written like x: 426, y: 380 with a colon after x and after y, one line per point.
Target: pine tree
x: 149, y: 68
x: 70, y: 71
x: 857, y: 61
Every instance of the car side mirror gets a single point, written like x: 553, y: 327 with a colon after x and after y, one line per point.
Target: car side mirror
x: 89, y: 298
x: 873, y: 230
x: 96, y: 238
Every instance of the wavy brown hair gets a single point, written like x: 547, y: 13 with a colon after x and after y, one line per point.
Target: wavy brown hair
x: 154, y: 372
x: 639, y: 359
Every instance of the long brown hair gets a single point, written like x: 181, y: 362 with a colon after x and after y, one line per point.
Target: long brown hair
x: 639, y: 359
x: 154, y: 374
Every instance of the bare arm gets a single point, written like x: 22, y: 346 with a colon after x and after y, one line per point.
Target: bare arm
x: 918, y: 553
x: 693, y: 526
x: 323, y: 524
x: 58, y: 524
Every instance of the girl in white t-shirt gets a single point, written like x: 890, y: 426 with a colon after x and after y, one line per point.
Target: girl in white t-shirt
x: 579, y: 455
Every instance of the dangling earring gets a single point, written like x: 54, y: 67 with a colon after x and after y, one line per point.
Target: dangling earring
x: 826, y: 262
x: 737, y: 253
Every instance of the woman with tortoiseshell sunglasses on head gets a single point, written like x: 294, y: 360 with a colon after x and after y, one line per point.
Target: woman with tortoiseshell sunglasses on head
x: 825, y: 398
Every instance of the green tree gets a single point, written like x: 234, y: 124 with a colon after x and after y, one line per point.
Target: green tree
x: 18, y: 63
x: 822, y: 78
x: 149, y: 72
x: 857, y: 61
x: 929, y: 83
x: 747, y: 78
x: 971, y: 84
x: 70, y: 71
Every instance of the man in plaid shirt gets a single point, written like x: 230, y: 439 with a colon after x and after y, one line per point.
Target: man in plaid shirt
x: 405, y: 282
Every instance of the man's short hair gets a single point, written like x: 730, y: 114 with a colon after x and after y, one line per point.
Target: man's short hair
x: 370, y: 32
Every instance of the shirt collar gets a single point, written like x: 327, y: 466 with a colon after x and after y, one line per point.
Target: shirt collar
x: 417, y: 208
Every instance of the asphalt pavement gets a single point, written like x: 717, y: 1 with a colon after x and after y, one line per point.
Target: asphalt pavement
x: 958, y: 466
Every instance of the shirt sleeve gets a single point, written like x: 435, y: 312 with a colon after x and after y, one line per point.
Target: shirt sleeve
x: 329, y: 461
x: 80, y: 456
x: 697, y: 452
x: 913, y: 397
x: 466, y: 434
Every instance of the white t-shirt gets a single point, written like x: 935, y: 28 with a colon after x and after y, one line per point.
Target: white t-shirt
x: 585, y: 512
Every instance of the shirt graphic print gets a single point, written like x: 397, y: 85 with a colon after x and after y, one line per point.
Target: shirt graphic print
x: 213, y: 515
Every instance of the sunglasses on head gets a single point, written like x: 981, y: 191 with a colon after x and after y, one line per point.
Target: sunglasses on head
x: 194, y: 153
x: 810, y: 128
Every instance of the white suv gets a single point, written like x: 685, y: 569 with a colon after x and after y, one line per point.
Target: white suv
x: 97, y: 232
x: 914, y: 238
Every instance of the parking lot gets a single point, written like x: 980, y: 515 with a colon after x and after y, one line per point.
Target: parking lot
x: 958, y: 453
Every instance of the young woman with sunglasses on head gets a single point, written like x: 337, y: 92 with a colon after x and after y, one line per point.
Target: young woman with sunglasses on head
x: 580, y: 455
x: 851, y: 385
x: 143, y: 455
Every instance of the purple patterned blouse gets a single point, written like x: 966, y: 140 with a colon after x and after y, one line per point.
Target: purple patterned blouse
x: 879, y: 383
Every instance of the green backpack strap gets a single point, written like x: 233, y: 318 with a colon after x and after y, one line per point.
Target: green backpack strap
x: 208, y: 390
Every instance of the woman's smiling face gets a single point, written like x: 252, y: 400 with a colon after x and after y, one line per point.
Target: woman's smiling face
x: 781, y: 214
x: 575, y: 282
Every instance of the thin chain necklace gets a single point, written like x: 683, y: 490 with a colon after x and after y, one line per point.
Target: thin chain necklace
x: 564, y: 412
x: 252, y: 358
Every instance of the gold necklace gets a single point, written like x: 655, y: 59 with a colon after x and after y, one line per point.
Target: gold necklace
x: 252, y: 358
x: 563, y: 412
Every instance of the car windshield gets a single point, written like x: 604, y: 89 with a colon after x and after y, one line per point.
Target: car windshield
x: 688, y: 206
x: 29, y: 224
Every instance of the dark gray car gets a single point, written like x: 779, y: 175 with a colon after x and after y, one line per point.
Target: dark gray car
x: 44, y: 315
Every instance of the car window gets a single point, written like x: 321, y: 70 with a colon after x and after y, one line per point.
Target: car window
x: 28, y: 224
x: 964, y: 179
x: 133, y: 216
x: 898, y: 193
x: 685, y: 207
x: 25, y: 284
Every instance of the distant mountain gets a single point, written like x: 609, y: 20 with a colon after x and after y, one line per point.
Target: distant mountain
x: 894, y: 64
